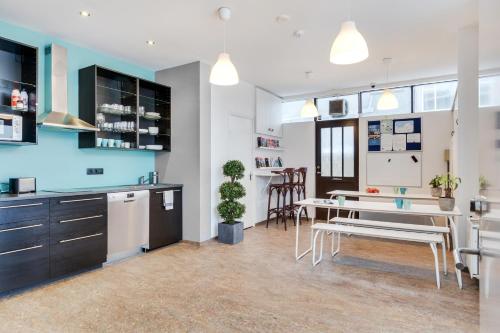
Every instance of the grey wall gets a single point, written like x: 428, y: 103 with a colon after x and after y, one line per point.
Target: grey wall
x: 182, y: 164
x: 189, y: 161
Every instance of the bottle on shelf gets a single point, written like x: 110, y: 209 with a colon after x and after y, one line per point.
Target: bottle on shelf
x: 24, y: 99
x: 15, y: 97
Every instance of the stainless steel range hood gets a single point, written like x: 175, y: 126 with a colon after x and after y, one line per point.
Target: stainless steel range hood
x: 56, y: 94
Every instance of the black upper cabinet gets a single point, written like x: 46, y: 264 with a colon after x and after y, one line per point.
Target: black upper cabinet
x: 124, y: 108
x: 18, y: 82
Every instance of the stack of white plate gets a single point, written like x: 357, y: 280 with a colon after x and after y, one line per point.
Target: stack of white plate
x: 152, y: 115
x: 154, y: 147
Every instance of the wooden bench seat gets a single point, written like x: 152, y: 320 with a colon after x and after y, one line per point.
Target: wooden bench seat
x: 410, y: 235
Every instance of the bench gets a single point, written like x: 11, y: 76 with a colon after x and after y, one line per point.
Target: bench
x: 392, y: 225
x: 429, y: 237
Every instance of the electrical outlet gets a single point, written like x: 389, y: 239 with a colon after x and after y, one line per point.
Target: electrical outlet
x: 95, y: 171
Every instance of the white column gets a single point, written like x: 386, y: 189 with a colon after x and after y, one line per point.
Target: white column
x: 466, y: 140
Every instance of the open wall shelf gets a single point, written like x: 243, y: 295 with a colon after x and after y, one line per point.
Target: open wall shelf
x: 18, y: 81
x: 131, y: 113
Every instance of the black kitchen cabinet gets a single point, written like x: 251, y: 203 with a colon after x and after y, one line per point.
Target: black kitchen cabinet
x: 78, y: 233
x: 24, y: 243
x: 108, y: 98
x: 18, y: 78
x: 165, y: 226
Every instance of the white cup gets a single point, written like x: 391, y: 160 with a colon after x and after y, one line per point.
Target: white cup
x: 111, y: 142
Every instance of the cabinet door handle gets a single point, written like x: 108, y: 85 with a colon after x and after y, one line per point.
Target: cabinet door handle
x: 127, y: 201
x: 20, y: 206
x: 81, y: 219
x: 21, y: 228
x: 21, y: 250
x: 161, y: 192
x: 79, y: 200
x: 79, y: 238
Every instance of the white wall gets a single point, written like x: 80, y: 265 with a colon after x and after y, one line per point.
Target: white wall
x: 238, y: 101
x: 436, y: 137
x: 489, y: 154
x: 299, y: 142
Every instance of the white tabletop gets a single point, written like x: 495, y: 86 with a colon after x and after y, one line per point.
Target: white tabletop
x: 413, y: 196
x: 379, y: 207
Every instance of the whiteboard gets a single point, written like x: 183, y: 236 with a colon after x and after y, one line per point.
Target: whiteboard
x: 394, y: 169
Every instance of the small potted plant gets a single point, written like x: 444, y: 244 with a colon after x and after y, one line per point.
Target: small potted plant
x: 447, y: 203
x: 436, y: 184
x: 230, y: 209
x: 483, y: 183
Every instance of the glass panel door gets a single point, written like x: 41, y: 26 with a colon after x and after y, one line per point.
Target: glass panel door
x: 336, y: 157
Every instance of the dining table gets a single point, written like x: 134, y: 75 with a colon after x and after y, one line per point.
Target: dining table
x: 427, y: 210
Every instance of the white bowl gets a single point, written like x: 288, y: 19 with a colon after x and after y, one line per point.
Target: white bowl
x: 153, y: 130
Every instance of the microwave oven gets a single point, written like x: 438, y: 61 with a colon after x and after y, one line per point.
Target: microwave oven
x: 11, y: 127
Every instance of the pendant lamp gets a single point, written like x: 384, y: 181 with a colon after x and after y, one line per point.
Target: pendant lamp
x: 349, y: 47
x: 388, y: 101
x: 309, y: 110
x: 224, y: 73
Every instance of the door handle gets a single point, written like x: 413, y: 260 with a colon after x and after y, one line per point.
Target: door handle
x: 126, y: 201
x: 335, y: 178
x: 20, y: 206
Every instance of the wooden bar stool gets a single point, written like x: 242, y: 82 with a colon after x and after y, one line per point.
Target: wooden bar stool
x: 281, y: 190
x: 300, y: 188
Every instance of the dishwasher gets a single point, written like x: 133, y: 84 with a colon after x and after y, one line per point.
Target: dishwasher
x: 128, y: 224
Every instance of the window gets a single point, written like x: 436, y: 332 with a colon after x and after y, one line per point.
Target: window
x: 489, y: 91
x: 370, y: 99
x: 434, y: 96
x: 323, y: 105
x: 290, y: 112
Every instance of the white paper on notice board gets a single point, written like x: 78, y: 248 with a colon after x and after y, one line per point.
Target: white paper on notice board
x: 413, y: 138
x: 403, y: 126
x: 386, y: 142
x: 399, y: 142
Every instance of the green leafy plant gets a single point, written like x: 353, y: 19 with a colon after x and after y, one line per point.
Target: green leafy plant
x: 230, y: 208
x: 450, y: 183
x: 437, y: 181
x: 483, y: 183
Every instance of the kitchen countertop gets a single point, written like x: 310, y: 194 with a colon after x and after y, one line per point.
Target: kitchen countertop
x: 83, y: 191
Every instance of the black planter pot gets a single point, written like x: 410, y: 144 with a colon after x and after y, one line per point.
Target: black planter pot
x: 230, y: 233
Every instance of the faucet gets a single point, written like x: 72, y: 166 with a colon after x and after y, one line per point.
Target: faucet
x: 142, y: 180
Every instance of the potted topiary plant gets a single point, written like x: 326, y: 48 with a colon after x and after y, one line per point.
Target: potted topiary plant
x: 435, y: 184
x: 230, y: 209
x: 447, y: 203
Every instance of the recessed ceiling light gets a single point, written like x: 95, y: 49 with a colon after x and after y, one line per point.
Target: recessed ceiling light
x: 283, y: 18
x: 298, y: 33
x: 84, y: 13
x: 150, y: 42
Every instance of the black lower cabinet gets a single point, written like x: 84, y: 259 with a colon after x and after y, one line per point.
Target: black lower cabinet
x: 78, y: 234
x: 24, y: 243
x: 165, y: 226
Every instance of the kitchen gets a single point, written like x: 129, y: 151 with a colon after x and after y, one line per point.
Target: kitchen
x: 169, y: 175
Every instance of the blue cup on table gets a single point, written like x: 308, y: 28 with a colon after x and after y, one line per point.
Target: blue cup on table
x: 341, y: 200
x: 399, y: 203
x: 403, y: 190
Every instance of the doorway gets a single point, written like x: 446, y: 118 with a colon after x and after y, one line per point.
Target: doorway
x: 241, y: 148
x: 337, y: 158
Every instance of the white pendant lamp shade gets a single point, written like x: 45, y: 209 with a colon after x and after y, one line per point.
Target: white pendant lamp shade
x: 387, y: 101
x: 349, y: 46
x: 309, y: 110
x: 223, y: 72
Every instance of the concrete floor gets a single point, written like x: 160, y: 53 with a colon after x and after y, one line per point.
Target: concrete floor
x: 256, y: 286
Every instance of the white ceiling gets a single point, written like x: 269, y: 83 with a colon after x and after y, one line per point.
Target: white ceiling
x: 420, y: 36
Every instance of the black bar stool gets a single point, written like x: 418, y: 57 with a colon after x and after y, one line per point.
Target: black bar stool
x: 281, y: 190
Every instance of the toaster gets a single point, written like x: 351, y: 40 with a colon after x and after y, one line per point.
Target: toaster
x: 22, y: 185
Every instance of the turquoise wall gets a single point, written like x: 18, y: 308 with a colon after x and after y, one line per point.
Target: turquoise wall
x: 56, y: 161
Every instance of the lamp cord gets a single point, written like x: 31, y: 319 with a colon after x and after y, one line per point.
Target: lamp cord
x: 224, y: 37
